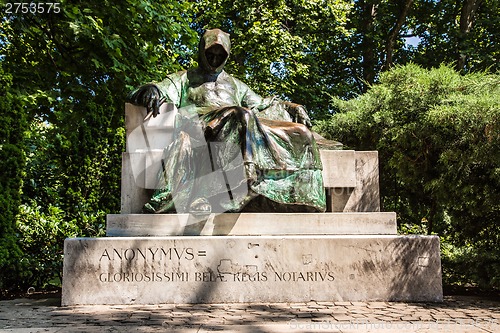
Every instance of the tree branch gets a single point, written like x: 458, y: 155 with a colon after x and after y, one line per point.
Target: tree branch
x: 394, y: 33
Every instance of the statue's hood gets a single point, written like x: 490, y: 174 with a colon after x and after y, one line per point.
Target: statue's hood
x: 212, y: 38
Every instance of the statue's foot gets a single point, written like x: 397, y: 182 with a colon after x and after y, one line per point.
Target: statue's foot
x: 237, y: 204
x: 200, y: 206
x: 148, y: 209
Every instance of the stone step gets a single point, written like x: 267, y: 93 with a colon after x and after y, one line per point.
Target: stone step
x: 242, y: 224
x: 253, y: 269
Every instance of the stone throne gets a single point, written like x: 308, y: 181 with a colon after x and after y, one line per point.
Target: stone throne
x: 350, y: 253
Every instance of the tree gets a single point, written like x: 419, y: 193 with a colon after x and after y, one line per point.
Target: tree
x: 459, y: 32
x: 405, y: 7
x: 378, y: 39
x: 467, y: 19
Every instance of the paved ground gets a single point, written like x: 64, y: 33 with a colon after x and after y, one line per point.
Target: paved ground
x: 455, y: 314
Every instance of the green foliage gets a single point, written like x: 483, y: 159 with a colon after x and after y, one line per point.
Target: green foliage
x: 42, y: 237
x: 70, y: 73
x: 12, y: 163
x: 436, y: 23
x: 466, y: 265
x: 438, y: 138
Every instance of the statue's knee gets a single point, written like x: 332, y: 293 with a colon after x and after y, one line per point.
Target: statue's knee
x: 303, y: 131
x: 241, y: 112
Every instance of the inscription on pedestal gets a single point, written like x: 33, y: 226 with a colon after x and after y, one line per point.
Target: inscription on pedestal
x: 250, y: 269
x: 227, y: 270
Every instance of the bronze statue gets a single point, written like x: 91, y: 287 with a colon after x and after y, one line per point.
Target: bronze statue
x: 233, y: 150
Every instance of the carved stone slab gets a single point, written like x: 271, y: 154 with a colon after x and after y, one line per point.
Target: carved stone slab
x: 221, y: 269
x: 243, y: 224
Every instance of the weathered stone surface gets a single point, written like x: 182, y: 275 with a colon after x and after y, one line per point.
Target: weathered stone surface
x: 133, y: 195
x: 151, y: 133
x: 339, y: 168
x: 365, y: 196
x: 252, y: 224
x: 360, y: 195
x: 219, y: 269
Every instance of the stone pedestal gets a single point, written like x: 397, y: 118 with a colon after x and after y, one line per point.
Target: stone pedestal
x: 350, y: 253
x: 221, y: 269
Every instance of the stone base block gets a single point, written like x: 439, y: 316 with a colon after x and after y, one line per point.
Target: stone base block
x: 226, y: 269
x: 244, y: 224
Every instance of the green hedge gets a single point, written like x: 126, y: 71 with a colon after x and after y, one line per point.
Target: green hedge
x: 12, y: 163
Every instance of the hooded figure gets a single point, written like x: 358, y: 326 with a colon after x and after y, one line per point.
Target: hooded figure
x: 233, y: 150
x: 213, y: 51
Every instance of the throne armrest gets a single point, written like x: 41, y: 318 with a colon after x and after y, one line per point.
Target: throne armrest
x: 148, y: 133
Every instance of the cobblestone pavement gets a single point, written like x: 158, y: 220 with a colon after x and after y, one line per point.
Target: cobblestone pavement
x: 455, y: 314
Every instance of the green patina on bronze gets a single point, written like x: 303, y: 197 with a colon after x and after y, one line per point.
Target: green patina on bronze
x: 262, y: 146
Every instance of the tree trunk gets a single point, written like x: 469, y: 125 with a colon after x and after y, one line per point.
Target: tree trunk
x: 467, y: 18
x: 369, y: 13
x: 432, y: 216
x: 394, y: 33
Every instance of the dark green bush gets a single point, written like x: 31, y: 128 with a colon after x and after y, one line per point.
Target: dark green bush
x: 42, y: 238
x: 12, y: 164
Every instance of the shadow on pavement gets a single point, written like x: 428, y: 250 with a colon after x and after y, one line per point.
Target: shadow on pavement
x: 46, y: 314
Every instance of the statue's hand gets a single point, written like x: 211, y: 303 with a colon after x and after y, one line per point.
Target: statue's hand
x: 298, y: 114
x: 149, y: 96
